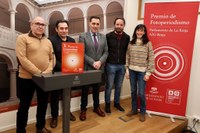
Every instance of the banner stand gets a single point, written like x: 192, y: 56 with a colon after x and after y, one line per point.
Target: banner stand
x: 171, y: 116
x: 172, y: 32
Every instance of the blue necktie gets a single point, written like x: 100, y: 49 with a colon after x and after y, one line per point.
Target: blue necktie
x: 95, y: 42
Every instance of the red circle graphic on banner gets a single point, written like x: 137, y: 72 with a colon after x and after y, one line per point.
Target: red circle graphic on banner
x: 169, y: 63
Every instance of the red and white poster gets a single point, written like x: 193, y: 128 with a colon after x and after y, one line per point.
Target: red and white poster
x: 171, y: 28
x: 72, y: 57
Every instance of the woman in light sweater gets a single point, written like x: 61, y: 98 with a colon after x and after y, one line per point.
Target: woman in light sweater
x: 140, y: 65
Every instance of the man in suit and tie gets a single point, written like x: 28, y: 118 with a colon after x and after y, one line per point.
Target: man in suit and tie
x: 96, y: 53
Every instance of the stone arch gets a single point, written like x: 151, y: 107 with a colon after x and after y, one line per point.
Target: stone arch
x: 9, y: 57
x: 5, y: 80
x: 113, y: 10
x: 98, y: 12
x: 4, y: 13
x: 9, y: 88
x: 10, y: 4
x: 30, y: 9
x: 22, y: 18
x: 76, y: 21
x: 53, y: 17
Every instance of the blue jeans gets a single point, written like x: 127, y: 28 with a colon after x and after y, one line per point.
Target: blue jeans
x: 115, y: 76
x: 138, y: 86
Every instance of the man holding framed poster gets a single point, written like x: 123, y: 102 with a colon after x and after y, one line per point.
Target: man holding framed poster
x: 57, y: 40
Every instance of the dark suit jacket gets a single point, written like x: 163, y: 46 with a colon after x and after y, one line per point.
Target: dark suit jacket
x: 91, y: 55
x: 57, y: 46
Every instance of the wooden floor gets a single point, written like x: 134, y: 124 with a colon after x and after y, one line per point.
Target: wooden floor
x: 117, y: 122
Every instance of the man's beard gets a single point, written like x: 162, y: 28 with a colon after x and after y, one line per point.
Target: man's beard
x: 118, y: 30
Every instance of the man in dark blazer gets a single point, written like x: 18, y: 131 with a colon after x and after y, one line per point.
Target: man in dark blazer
x: 96, y: 53
x: 62, y: 28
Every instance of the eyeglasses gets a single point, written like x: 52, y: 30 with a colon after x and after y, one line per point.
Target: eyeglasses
x: 40, y: 24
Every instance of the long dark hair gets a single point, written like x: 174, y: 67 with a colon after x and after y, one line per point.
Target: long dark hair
x: 145, y: 38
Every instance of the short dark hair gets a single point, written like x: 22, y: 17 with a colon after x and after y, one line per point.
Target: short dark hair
x: 120, y: 19
x: 61, y: 21
x: 95, y: 17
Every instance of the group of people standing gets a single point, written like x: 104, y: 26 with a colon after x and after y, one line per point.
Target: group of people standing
x: 114, y: 53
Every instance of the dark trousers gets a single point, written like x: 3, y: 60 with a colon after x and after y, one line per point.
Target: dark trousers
x: 54, y: 102
x: 27, y: 88
x: 95, y: 94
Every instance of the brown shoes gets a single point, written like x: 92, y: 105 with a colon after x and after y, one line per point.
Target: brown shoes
x: 99, y: 112
x: 142, y: 117
x: 131, y: 113
x: 82, y: 116
x: 43, y: 130
x: 72, y: 117
x: 54, y: 122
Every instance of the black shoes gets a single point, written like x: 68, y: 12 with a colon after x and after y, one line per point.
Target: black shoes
x: 116, y: 105
x: 119, y: 107
x: 107, y: 108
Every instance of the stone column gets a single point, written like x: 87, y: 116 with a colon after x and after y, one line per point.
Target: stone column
x: 13, y: 84
x: 12, y: 23
x: 12, y: 19
x: 85, y: 24
x: 47, y: 30
x: 105, y: 23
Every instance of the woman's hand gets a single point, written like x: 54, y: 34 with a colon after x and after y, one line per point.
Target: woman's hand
x: 127, y: 74
x: 146, y: 78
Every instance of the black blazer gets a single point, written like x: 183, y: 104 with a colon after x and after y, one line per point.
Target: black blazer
x: 57, y: 46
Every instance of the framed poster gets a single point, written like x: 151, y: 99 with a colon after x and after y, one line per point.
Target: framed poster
x: 72, y: 57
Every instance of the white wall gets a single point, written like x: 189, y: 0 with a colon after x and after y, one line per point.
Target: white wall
x: 193, y: 106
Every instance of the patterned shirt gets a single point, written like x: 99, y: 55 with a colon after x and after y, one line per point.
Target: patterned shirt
x: 140, y: 57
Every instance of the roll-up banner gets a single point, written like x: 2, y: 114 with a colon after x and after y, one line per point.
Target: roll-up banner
x: 171, y: 27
